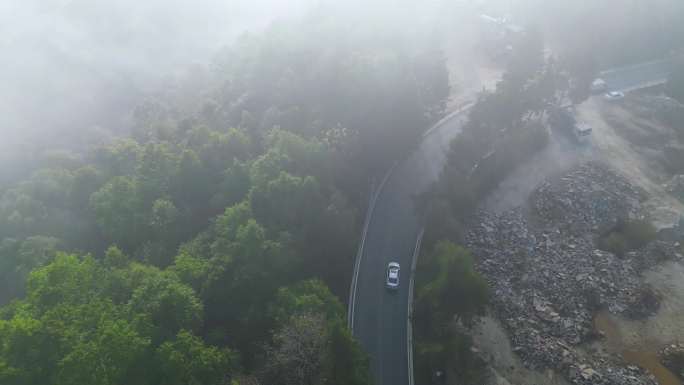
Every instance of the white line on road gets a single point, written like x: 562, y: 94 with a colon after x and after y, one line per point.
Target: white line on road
x: 409, y: 319
x: 359, y: 254
x: 464, y: 106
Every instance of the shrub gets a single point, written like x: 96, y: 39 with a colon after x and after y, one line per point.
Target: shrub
x: 627, y: 235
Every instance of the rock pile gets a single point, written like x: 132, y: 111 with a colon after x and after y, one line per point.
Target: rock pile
x: 589, y: 198
x: 548, y: 279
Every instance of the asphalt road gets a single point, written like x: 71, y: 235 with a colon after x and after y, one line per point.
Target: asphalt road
x: 379, y: 318
x: 638, y: 76
x: 380, y: 315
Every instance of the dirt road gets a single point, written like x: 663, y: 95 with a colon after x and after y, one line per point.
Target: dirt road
x: 607, y: 145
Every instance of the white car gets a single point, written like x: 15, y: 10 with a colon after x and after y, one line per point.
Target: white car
x: 598, y: 86
x: 392, y: 276
x: 614, y: 95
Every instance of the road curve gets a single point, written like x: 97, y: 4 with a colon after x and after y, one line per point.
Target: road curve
x: 637, y: 76
x: 379, y: 316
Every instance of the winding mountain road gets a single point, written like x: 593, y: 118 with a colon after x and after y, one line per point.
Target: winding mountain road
x: 379, y: 318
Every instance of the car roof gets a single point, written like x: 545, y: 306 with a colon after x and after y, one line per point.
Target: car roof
x: 393, y: 264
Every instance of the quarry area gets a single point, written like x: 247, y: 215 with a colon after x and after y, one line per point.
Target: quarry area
x: 583, y: 254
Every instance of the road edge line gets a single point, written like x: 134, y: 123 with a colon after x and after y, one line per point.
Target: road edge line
x: 352, y: 286
x: 629, y: 67
x: 448, y: 117
x: 409, y: 320
x: 359, y: 254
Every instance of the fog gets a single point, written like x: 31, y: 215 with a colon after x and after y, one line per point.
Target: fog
x: 69, y: 66
x: 191, y: 191
x: 73, y: 68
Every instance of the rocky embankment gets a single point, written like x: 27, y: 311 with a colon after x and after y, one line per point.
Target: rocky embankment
x: 548, y: 278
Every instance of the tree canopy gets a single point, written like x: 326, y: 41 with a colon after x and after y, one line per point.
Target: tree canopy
x: 215, y: 235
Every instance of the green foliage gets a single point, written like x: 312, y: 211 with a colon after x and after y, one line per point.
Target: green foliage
x: 192, y: 270
x: 83, y: 322
x: 346, y: 364
x: 154, y: 172
x: 188, y: 361
x: 105, y: 357
x: 117, y: 211
x: 17, y: 259
x: 234, y: 215
x: 312, y: 297
x: 115, y: 258
x: 449, y: 286
x: 68, y: 279
x: 164, y: 219
x: 287, y: 202
x: 627, y: 236
x: 448, y: 289
x: 453, y: 356
x: 87, y: 180
x: 505, y: 128
x: 167, y: 305
x: 118, y: 159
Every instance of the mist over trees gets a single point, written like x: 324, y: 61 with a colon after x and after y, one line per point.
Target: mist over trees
x: 72, y: 70
x: 211, y: 239
x: 180, y: 203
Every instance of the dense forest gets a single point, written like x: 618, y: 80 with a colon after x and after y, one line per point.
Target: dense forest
x: 213, y: 243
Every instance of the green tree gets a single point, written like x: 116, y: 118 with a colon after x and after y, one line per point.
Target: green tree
x: 17, y: 259
x: 119, y: 158
x: 86, y: 181
x: 115, y: 258
x: 347, y: 363
x: 67, y: 280
x: 105, y: 357
x: 454, y: 288
x: 190, y: 183
x: 188, y: 361
x: 167, y: 306
x: 28, y: 351
x: 117, y: 209
x: 307, y: 297
x: 154, y: 172
x: 164, y: 218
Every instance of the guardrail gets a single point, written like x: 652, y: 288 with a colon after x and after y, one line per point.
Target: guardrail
x: 409, y: 319
x: 653, y: 83
x: 462, y: 107
x: 359, y: 255
x: 357, y: 260
x: 635, y: 66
